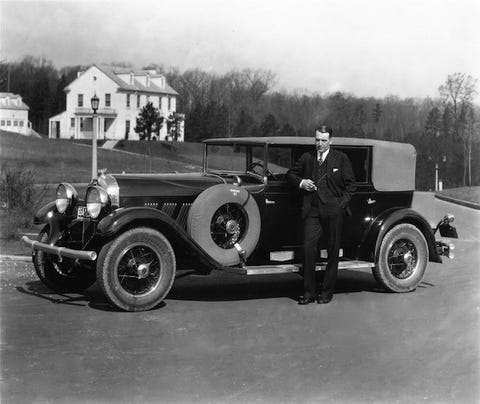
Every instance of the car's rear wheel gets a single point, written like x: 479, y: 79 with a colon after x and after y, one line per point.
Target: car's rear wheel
x: 137, y: 269
x: 61, y: 275
x: 402, y: 259
x: 220, y: 218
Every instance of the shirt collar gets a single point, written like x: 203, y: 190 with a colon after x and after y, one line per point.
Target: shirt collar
x: 324, y: 154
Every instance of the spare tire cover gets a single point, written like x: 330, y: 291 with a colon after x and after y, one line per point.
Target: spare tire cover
x: 221, y: 216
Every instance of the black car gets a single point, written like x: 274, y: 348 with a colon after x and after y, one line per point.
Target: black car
x: 132, y: 232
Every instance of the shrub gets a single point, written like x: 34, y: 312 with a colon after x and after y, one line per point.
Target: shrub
x: 19, y: 198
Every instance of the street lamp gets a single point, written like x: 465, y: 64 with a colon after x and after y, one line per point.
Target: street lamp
x: 94, y: 101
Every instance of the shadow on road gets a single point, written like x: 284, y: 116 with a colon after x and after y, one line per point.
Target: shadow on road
x: 223, y: 287
x: 91, y: 297
x: 215, y: 287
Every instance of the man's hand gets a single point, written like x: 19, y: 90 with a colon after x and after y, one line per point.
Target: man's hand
x: 308, y: 185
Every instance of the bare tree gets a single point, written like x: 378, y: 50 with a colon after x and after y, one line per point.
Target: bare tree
x: 458, y: 92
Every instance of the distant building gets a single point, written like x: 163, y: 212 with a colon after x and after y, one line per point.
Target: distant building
x: 123, y: 93
x: 14, y: 114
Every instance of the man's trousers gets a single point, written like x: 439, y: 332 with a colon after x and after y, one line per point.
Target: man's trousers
x: 327, y: 220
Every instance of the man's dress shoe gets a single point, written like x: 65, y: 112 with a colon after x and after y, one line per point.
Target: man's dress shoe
x: 324, y: 299
x: 305, y: 300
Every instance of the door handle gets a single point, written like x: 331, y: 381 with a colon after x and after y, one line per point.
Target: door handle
x: 371, y: 201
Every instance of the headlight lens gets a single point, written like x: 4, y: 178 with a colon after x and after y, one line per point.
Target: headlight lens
x: 66, y: 197
x: 97, y: 199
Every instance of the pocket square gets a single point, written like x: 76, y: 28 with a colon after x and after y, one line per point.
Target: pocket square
x: 335, y: 170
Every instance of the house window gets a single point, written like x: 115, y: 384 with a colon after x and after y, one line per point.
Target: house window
x: 15, y: 123
x: 127, y: 129
x: 148, y: 99
x: 80, y: 100
x: 107, y: 99
x: 138, y: 101
x: 9, y: 123
x: 72, y: 122
x: 169, y: 103
x: 21, y: 123
x: 81, y: 124
x: 2, y: 123
x: 128, y: 100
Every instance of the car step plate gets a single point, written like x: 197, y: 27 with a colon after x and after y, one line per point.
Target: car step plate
x: 294, y: 268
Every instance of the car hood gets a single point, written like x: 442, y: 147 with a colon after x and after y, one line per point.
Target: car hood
x: 170, y: 185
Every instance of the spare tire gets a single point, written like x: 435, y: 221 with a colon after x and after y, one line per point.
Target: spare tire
x: 222, y: 216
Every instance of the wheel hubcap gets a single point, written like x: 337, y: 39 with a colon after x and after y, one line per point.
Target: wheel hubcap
x: 402, y: 258
x: 138, y: 269
x: 228, y: 225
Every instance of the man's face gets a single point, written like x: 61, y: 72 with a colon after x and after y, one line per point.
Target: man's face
x: 322, y: 141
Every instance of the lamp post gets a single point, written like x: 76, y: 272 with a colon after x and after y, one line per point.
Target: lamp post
x: 94, y: 101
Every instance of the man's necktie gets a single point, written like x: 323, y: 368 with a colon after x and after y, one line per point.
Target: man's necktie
x: 320, y: 159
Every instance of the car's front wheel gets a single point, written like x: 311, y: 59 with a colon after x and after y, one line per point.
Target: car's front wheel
x: 61, y: 275
x: 402, y: 259
x: 136, y: 270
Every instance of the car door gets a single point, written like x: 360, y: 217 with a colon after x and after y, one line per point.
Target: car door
x: 361, y: 207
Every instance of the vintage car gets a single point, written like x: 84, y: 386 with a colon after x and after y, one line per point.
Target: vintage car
x: 133, y: 232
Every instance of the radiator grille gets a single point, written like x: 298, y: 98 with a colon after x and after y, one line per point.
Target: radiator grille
x: 168, y: 208
x: 183, y: 215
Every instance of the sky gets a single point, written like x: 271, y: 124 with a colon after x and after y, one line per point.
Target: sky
x: 405, y: 48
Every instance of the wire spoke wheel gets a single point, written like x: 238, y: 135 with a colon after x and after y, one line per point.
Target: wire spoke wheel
x: 136, y: 269
x: 402, y: 258
x: 65, y: 275
x: 222, y: 216
x: 228, y: 225
x: 139, y: 269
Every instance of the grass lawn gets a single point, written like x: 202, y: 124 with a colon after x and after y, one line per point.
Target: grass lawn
x: 469, y: 194
x: 54, y: 160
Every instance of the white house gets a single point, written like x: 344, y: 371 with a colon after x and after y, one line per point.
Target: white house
x: 123, y: 93
x: 14, y: 114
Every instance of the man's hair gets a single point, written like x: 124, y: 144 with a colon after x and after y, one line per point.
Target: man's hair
x: 324, y: 129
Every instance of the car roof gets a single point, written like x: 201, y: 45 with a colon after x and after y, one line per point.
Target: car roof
x: 301, y: 140
x: 393, y: 163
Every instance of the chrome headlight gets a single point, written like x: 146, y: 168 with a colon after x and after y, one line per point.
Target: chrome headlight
x: 97, y: 200
x: 66, y: 197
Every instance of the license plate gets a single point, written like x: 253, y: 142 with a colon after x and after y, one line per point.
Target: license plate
x: 82, y: 212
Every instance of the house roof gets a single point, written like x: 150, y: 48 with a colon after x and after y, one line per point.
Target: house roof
x: 12, y: 101
x: 137, y: 86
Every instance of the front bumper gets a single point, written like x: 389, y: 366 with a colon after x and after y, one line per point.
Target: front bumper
x: 62, y: 252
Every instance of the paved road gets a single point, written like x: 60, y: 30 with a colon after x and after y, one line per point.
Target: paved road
x: 231, y: 339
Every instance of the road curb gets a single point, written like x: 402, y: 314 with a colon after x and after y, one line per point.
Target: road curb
x: 472, y: 205
x: 23, y: 258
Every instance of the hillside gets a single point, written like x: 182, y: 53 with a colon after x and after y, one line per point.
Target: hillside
x: 54, y: 160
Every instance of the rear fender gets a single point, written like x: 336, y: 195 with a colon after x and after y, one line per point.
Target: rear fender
x: 124, y: 219
x: 383, y: 223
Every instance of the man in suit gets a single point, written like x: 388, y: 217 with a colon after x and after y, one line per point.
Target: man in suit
x: 325, y: 177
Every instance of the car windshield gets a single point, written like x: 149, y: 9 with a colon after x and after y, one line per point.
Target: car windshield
x: 241, y: 158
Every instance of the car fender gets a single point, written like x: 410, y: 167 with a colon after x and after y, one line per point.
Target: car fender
x: 385, y: 221
x: 124, y: 219
x: 55, y: 221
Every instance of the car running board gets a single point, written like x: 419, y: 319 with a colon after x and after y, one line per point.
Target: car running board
x: 294, y: 268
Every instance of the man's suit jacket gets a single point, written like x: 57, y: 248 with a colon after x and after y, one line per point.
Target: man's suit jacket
x: 340, y: 178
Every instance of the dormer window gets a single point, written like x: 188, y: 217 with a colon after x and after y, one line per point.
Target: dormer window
x: 148, y: 80
x: 132, y: 78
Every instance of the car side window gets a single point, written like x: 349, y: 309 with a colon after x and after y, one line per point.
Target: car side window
x: 279, y: 160
x: 360, y: 159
